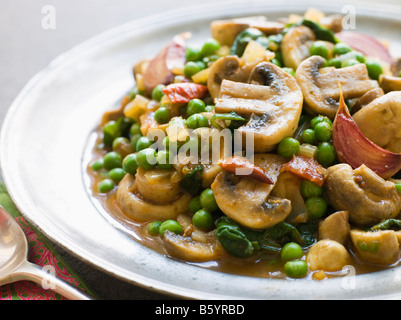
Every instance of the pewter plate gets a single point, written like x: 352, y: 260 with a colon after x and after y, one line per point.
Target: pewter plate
x: 49, y: 129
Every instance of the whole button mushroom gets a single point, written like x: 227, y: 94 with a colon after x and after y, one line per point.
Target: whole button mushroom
x: 380, y: 121
x: 327, y: 255
x: 367, y: 197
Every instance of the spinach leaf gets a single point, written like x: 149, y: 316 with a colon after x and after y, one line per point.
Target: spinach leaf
x: 192, y: 181
x: 389, y: 224
x: 320, y: 32
x: 232, y: 116
x: 233, y: 239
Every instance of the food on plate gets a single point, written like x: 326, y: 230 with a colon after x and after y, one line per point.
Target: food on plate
x: 272, y: 149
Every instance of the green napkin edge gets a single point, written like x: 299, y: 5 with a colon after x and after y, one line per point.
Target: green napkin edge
x: 9, y: 205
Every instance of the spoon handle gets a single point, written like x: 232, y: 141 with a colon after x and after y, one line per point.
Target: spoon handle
x: 35, y: 273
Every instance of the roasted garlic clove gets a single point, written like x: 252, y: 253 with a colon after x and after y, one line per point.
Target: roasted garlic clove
x: 354, y: 148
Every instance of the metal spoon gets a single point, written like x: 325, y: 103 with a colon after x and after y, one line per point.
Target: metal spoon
x: 14, y: 265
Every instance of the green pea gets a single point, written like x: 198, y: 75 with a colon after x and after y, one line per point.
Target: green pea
x: 288, y: 147
x: 325, y: 154
x: 162, y: 115
x: 117, y: 174
x: 105, y: 185
x: 308, y: 136
x: 112, y: 160
x: 154, y: 227
x: 129, y: 164
x: 296, y: 268
x: 122, y: 146
x: 168, y: 145
x: 398, y: 187
x: 135, y: 129
x: 146, y: 158
x: 134, y: 140
x: 323, y: 131
x: 203, y: 219
x: 319, y: 48
x: 97, y: 165
x: 192, y: 68
x: 163, y: 160
x: 350, y: 62
x: 207, y: 200
x: 334, y: 62
x: 210, y: 47
x: 143, y: 143
x: 289, y: 71
x: 341, y: 48
x: 209, y: 108
x: 170, y: 225
x: 197, y: 120
x: 374, y: 69
x: 277, y: 62
x: 316, y: 207
x: 318, y: 119
x: 194, y: 205
x: 192, y: 54
x: 310, y: 189
x: 195, y: 106
x: 157, y: 92
x: 291, y: 251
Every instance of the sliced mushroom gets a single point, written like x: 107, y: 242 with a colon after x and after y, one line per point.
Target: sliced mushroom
x: 380, y: 121
x: 272, y: 100
x: 225, y: 31
x: 327, y: 255
x: 188, y: 249
x: 247, y: 201
x: 366, y: 196
x: 157, y: 185
x: 295, y: 46
x: 320, y: 86
x: 135, y: 206
x: 335, y: 227
x: 228, y: 67
x: 288, y: 186
x: 390, y: 83
x: 379, y: 247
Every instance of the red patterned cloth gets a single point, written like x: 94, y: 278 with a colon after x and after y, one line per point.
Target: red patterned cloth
x: 40, y: 254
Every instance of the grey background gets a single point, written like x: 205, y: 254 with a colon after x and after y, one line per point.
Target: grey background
x: 26, y: 48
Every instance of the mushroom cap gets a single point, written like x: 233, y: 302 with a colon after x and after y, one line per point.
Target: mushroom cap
x: 320, y: 86
x: 366, y: 196
x: 247, y: 201
x: 380, y: 121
